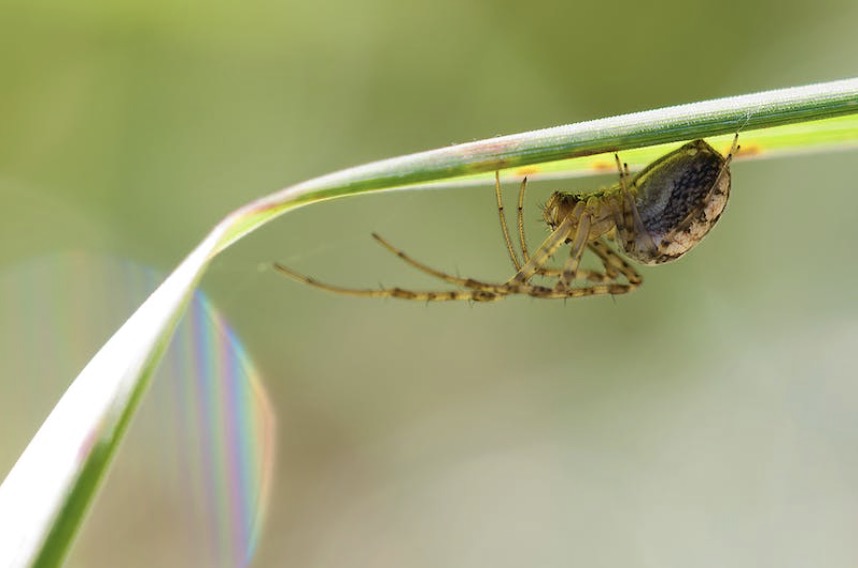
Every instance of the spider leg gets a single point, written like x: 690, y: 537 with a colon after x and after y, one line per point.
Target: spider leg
x: 609, y: 283
x: 734, y: 149
x: 583, y: 274
x: 525, y: 255
x: 576, y: 251
x: 498, y: 194
x: 458, y: 281
x: 540, y: 256
x: 401, y: 293
x: 630, y: 216
x: 623, y: 170
x: 613, y: 289
x: 613, y: 266
x: 607, y: 287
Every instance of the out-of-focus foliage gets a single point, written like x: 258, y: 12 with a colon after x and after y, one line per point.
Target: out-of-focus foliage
x: 707, y: 419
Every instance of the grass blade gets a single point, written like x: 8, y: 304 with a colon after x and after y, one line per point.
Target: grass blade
x: 44, y: 498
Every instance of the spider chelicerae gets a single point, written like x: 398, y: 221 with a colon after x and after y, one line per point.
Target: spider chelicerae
x: 653, y: 217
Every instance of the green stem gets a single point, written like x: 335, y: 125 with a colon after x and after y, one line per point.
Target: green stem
x: 683, y: 122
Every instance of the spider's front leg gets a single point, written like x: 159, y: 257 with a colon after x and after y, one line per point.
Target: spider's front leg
x: 401, y: 293
x: 475, y: 290
x: 540, y: 257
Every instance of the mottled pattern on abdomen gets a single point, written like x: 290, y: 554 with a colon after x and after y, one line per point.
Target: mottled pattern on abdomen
x: 684, y: 190
x: 678, y: 198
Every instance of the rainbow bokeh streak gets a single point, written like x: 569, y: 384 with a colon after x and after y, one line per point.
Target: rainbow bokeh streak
x: 228, y: 425
x: 193, y: 476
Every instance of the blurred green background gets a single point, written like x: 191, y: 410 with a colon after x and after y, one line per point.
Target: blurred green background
x: 708, y: 419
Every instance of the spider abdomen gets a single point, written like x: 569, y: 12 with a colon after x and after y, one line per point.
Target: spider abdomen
x: 678, y: 198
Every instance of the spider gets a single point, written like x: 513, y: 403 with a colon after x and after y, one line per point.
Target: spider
x: 654, y: 217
